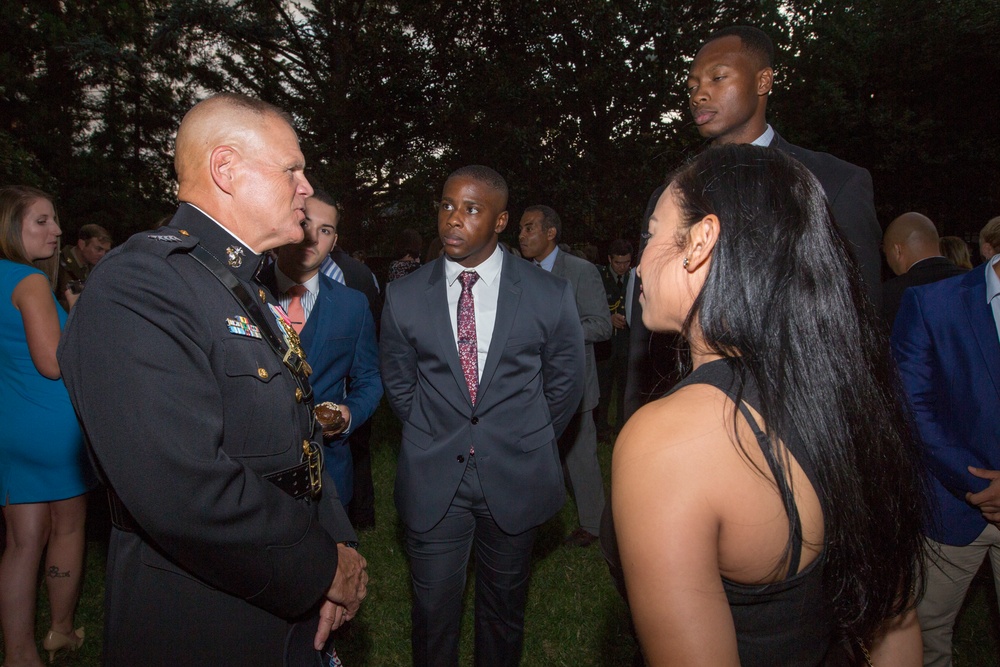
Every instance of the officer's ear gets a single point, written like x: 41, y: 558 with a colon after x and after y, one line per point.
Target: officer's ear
x: 221, y: 164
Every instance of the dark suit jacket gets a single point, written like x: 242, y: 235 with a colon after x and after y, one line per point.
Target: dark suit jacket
x: 530, y: 388
x: 849, y: 190
x: 945, y: 342
x: 588, y: 292
x: 339, y: 341
x: 360, y: 277
x: 925, y: 271
x: 185, y: 410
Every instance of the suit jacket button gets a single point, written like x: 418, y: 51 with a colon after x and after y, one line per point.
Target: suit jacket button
x: 475, y: 420
x: 460, y: 458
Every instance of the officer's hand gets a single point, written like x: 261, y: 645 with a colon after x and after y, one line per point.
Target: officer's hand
x: 350, y: 582
x: 618, y: 321
x: 331, y: 617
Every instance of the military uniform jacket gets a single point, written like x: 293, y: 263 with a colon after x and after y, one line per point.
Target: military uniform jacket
x: 185, y: 407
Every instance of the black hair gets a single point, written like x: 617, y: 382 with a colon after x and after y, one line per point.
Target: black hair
x: 620, y: 247
x: 784, y: 303
x: 550, y: 219
x: 755, y: 42
x: 484, y: 175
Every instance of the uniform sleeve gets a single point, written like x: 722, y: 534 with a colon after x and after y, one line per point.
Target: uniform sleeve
x: 137, y: 363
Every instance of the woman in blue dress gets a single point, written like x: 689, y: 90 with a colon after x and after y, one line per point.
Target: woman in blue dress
x: 44, y: 472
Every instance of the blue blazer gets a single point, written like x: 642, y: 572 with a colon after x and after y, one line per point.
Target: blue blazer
x: 945, y: 342
x: 530, y: 388
x: 340, y: 345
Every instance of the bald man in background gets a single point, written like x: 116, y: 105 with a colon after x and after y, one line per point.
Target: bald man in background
x: 912, y: 249
x: 229, y: 547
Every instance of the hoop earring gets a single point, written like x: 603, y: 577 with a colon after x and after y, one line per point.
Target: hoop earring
x: 686, y: 261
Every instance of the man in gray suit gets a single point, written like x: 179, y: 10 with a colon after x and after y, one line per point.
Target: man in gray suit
x: 481, y: 355
x: 539, y: 234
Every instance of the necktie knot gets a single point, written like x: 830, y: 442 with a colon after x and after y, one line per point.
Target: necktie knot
x: 296, y: 291
x: 468, y: 279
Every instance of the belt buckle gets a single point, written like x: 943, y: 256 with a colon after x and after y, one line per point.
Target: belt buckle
x: 312, y: 455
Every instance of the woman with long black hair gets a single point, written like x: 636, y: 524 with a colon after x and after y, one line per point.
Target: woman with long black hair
x: 768, y: 510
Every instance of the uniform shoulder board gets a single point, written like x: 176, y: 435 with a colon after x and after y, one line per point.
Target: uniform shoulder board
x: 164, y: 241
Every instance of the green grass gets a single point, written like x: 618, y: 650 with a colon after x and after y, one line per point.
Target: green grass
x: 574, y: 616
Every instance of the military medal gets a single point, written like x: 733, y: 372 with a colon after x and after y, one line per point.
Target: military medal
x: 290, y: 336
x: 241, y: 326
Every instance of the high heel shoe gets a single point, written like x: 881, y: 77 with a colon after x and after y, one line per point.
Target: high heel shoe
x: 56, y: 641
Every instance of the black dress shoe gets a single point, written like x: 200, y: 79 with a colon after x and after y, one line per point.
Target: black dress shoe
x: 580, y: 538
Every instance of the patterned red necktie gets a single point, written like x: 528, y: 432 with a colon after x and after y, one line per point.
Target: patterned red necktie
x: 295, y: 311
x: 468, y: 349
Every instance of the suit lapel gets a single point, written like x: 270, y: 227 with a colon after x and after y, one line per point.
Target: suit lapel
x: 507, y: 302
x: 436, y: 304
x: 982, y: 324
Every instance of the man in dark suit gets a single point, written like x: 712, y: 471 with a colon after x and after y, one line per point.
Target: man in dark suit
x: 728, y: 86
x: 190, y: 387
x: 337, y: 332
x: 913, y: 250
x: 539, y: 233
x: 482, y: 356
x: 946, y: 340
x: 346, y: 270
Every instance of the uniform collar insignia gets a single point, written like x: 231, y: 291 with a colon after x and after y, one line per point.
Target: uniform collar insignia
x: 234, y: 256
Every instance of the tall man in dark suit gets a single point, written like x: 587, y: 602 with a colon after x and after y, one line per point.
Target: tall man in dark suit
x: 482, y: 356
x: 728, y: 86
x: 946, y: 340
x: 539, y: 234
x: 189, y: 385
x: 344, y: 269
x: 913, y: 250
x: 337, y: 332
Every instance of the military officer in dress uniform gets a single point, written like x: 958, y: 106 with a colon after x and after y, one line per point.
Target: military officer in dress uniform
x: 227, y: 548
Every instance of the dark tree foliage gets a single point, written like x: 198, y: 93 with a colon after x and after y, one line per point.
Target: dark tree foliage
x: 579, y: 103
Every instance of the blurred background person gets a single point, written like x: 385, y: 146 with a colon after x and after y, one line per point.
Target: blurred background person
x: 956, y: 250
x: 912, y: 250
x: 76, y: 261
x: 409, y: 245
x: 44, y: 473
x: 989, y: 239
x: 748, y: 499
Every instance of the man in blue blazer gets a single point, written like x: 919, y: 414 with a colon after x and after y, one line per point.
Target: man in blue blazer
x: 946, y: 340
x: 337, y: 333
x: 483, y: 359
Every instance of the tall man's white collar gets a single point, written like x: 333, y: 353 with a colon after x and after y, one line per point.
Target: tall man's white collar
x: 764, y: 139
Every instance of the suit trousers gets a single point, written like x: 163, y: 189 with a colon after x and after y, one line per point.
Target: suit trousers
x: 950, y: 570
x: 578, y: 446
x: 438, y: 564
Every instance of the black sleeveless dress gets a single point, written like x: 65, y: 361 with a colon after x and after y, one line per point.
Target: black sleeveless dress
x: 788, y: 622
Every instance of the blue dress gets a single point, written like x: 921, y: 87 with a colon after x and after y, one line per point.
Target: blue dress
x: 42, y: 455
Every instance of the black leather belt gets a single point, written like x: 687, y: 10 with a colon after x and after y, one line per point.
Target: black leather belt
x: 300, y: 481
